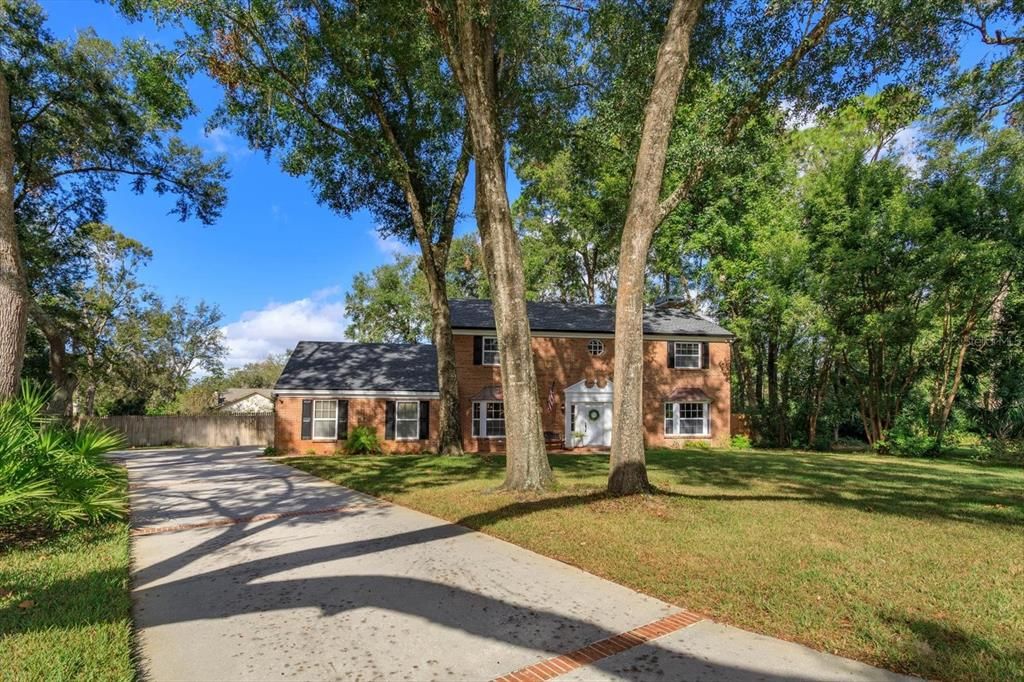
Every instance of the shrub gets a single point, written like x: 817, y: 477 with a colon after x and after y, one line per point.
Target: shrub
x: 740, y: 442
x: 906, y: 440
x: 362, y: 440
x: 52, y: 475
x: 270, y: 451
x: 1003, y: 450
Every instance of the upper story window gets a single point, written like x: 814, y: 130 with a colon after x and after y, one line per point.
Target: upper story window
x: 687, y: 354
x: 489, y: 351
x: 595, y: 347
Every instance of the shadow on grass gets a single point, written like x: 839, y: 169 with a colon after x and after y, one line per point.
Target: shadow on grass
x: 832, y: 480
x: 937, y: 647
x: 94, y: 597
x: 393, y: 474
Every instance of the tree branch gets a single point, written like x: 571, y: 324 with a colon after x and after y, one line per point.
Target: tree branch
x: 756, y: 99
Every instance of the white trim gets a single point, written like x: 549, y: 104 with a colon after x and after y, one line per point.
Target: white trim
x: 602, y: 335
x: 676, y: 355
x: 314, y: 419
x: 675, y: 419
x: 484, y: 352
x: 327, y: 393
x: 578, y: 397
x: 483, y: 435
x: 417, y: 420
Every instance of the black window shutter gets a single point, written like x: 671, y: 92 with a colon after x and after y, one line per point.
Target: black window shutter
x: 307, y: 419
x: 342, y: 419
x: 424, y: 419
x: 478, y: 350
x: 704, y: 355
x: 389, y: 421
x: 671, y: 354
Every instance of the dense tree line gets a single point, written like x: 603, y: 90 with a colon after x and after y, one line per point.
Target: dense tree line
x: 657, y: 147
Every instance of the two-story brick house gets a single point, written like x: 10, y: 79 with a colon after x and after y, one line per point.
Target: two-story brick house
x: 327, y: 387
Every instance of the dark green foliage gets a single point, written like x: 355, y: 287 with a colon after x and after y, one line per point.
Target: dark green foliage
x: 53, y: 475
x: 740, y: 442
x: 362, y: 440
x: 391, y: 303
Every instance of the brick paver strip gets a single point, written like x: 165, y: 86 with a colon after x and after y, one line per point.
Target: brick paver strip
x: 152, y: 530
x: 559, y: 665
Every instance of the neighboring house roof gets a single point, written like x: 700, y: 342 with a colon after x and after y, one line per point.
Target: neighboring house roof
x: 233, y: 395
x: 548, y: 316
x: 360, y: 367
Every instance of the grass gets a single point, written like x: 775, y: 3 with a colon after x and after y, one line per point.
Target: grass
x: 912, y: 565
x: 64, y: 606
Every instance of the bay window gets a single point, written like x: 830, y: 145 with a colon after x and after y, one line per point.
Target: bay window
x: 687, y: 419
x: 488, y: 419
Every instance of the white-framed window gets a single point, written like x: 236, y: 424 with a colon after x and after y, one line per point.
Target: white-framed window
x: 489, y: 351
x: 687, y: 354
x: 687, y: 419
x: 488, y: 419
x: 407, y: 420
x: 325, y: 420
x: 595, y: 347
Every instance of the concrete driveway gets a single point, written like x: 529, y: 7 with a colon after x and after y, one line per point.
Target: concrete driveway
x: 249, y: 570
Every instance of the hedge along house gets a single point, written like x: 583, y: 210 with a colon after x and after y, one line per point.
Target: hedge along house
x: 327, y: 388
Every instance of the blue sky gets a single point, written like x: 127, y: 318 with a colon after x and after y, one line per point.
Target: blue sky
x: 276, y: 263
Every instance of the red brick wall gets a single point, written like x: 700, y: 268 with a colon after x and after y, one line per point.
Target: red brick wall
x: 361, y: 412
x: 660, y: 381
x: 565, y: 361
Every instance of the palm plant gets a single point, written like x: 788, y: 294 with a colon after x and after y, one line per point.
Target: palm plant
x: 52, y: 474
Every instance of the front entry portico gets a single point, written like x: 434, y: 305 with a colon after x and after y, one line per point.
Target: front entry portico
x: 588, y: 415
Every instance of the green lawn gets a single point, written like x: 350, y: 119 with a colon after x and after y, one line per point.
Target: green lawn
x: 64, y: 607
x: 912, y: 565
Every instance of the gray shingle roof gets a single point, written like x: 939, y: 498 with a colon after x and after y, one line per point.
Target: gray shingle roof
x: 548, y: 316
x: 344, y: 366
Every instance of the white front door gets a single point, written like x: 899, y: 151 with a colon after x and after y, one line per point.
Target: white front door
x: 594, y: 422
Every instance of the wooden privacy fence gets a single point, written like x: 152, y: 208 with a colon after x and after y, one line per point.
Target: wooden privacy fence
x: 203, y: 430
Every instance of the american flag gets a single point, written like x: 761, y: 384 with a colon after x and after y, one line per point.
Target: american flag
x: 551, y: 398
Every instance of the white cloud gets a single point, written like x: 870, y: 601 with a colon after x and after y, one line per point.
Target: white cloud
x: 279, y: 326
x: 223, y: 141
x: 907, y: 146
x: 392, y: 246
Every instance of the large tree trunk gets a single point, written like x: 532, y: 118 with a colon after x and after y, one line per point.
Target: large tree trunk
x: 449, y: 431
x: 468, y: 37
x: 628, y: 474
x: 13, y: 290
x: 434, y: 265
